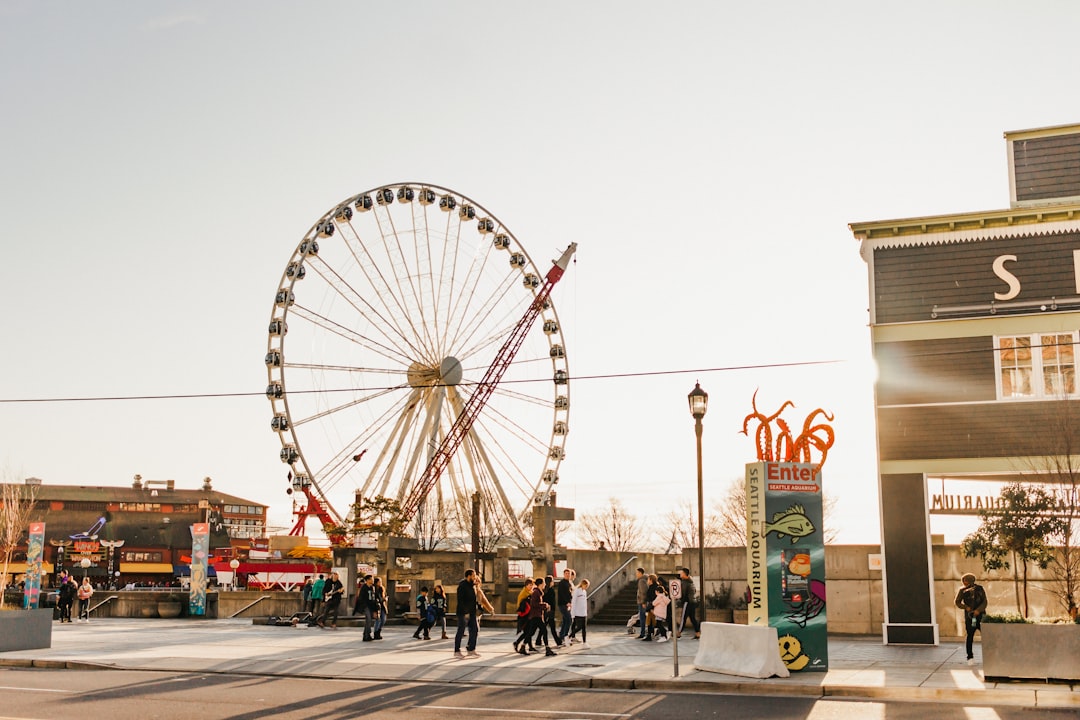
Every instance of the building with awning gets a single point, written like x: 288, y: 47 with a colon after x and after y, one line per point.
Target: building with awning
x: 140, y: 533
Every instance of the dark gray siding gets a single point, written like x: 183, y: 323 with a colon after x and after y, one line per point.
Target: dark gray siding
x: 935, y: 371
x: 1003, y: 429
x: 1047, y: 167
x: 909, y: 281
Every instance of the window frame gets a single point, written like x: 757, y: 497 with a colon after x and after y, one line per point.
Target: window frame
x: 1038, y: 369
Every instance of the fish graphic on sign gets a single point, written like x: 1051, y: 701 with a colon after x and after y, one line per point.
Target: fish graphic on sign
x: 791, y: 522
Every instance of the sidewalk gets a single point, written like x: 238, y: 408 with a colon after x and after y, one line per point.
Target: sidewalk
x: 860, y: 666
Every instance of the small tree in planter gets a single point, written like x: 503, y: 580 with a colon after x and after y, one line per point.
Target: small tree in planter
x: 16, y: 507
x: 1015, y: 534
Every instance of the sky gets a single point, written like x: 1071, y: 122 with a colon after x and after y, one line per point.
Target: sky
x: 161, y: 161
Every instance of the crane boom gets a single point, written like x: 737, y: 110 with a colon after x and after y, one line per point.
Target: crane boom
x: 475, y: 404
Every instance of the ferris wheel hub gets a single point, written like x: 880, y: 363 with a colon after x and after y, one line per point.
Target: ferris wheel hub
x: 447, y: 372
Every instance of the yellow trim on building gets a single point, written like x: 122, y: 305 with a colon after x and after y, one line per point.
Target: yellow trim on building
x: 146, y: 568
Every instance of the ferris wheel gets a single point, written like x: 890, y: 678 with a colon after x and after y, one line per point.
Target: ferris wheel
x: 389, y: 312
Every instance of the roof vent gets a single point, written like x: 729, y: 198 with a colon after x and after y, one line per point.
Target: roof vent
x: 206, y: 484
x: 137, y: 483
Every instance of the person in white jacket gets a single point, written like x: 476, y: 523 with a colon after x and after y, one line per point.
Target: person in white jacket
x: 579, y: 611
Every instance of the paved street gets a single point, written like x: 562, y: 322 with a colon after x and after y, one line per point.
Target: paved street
x: 860, y: 667
x: 40, y: 694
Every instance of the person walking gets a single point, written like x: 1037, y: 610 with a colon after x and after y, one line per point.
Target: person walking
x: 537, y: 626
x: 425, y: 610
x: 689, y: 603
x: 651, y: 588
x: 368, y: 603
x: 466, y: 616
x: 660, y: 605
x: 579, y: 610
x: 551, y: 597
x: 66, y: 598
x: 643, y: 608
x: 523, y: 642
x: 305, y: 593
x: 317, y: 594
x: 971, y: 598
x: 564, y: 596
x: 438, y: 599
x: 85, y: 592
x: 332, y: 592
x: 380, y: 599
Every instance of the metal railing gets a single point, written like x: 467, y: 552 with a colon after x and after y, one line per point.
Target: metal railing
x: 106, y: 600
x: 250, y: 605
x: 609, y: 578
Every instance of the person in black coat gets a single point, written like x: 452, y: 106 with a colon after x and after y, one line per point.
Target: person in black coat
x: 565, y: 595
x: 466, y: 616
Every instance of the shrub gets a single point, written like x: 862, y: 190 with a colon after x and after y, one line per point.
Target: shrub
x: 1011, y: 618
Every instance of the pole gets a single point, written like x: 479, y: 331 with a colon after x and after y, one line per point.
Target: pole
x: 700, y: 522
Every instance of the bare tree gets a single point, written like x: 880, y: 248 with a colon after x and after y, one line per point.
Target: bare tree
x: 680, y: 529
x: 1058, y: 467
x: 614, y: 528
x: 17, y: 507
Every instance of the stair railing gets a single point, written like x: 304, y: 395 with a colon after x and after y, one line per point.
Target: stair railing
x: 250, y: 605
x: 611, y: 576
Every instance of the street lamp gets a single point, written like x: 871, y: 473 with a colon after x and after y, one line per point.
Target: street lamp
x: 699, y: 403
x: 85, y: 565
x: 234, y: 564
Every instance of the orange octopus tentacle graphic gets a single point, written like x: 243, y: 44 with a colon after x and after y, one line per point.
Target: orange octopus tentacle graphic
x: 781, y: 446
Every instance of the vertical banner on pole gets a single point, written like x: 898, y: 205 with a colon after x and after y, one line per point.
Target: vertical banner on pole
x: 35, y: 546
x: 200, y: 542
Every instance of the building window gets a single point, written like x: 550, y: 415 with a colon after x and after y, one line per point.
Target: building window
x: 138, y: 556
x: 1036, y: 366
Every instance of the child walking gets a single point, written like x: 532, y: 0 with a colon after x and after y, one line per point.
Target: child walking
x: 660, y: 611
x: 579, y: 611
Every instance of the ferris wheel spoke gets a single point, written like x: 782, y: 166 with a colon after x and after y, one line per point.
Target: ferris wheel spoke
x: 390, y: 353
x: 484, y: 318
x: 463, y: 307
x: 403, y: 415
x: 350, y: 369
x: 338, y: 408
x: 502, y: 391
x: 406, y: 279
x: 363, y: 308
x: 389, y: 295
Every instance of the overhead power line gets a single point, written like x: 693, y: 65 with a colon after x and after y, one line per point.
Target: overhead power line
x: 577, y: 378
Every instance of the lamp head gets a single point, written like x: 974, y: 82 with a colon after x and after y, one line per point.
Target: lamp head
x: 699, y: 401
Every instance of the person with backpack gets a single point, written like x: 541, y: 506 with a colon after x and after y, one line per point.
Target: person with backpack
x: 438, y: 600
x: 971, y: 598
x: 425, y: 609
x: 523, y: 644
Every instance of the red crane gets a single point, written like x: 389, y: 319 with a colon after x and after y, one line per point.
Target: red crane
x: 453, y: 439
x: 314, y: 507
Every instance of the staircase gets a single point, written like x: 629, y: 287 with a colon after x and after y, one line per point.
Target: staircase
x: 619, y: 608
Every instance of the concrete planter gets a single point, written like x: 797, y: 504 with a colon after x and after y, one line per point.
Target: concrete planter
x: 1028, y: 651
x: 169, y: 609
x: 25, y: 629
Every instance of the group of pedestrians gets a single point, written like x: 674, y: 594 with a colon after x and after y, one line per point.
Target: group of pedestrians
x: 537, y: 604
x: 67, y: 593
x: 655, y: 606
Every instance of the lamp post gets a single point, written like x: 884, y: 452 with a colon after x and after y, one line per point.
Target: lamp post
x: 234, y: 564
x: 85, y: 565
x: 699, y: 403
